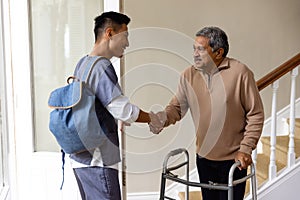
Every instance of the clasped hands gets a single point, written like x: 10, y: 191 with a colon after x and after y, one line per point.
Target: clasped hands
x: 157, y: 122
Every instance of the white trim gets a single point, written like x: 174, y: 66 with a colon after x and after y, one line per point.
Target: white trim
x: 22, y: 101
x: 12, y: 176
x: 272, y: 186
x: 4, y: 113
x: 143, y: 196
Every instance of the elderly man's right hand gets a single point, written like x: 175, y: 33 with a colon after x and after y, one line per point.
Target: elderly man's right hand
x: 157, y: 121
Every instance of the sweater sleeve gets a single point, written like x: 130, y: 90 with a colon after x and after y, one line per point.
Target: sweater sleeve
x: 254, y: 111
x: 178, y: 106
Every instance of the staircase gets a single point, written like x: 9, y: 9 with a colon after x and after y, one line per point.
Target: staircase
x: 262, y: 165
x: 263, y: 160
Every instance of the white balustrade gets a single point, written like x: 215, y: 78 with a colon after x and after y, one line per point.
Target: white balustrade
x: 272, y: 165
x: 291, y: 152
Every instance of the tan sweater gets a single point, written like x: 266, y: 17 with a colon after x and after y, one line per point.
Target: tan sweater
x: 226, y: 109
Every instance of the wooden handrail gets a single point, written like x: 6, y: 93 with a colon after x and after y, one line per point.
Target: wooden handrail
x: 278, y: 72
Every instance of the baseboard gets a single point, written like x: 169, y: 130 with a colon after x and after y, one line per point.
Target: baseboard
x: 143, y: 196
x: 171, y: 191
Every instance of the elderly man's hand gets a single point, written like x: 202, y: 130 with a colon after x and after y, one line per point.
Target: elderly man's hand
x: 157, y: 121
x: 244, y: 158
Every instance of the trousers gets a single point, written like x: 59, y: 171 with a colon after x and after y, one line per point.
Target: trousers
x: 217, y: 172
x: 98, y: 183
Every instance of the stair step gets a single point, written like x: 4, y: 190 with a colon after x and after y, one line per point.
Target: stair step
x: 259, y: 180
x: 262, y: 167
x: 282, y: 143
x: 248, y: 185
x: 193, y: 195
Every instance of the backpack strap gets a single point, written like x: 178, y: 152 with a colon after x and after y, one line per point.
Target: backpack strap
x: 63, y: 154
x: 89, y: 66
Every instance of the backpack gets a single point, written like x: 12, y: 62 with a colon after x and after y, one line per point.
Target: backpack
x: 74, y: 122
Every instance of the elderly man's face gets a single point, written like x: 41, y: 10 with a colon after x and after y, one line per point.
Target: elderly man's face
x: 203, y: 55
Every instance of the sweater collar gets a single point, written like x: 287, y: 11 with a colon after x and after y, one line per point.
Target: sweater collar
x: 224, y: 64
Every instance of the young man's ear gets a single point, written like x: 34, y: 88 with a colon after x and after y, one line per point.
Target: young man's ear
x: 108, y: 33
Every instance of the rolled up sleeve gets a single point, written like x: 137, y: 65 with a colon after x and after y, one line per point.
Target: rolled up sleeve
x: 121, y: 108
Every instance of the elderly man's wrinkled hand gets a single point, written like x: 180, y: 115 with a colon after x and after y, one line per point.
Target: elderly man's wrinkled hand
x: 244, y: 158
x: 157, y: 122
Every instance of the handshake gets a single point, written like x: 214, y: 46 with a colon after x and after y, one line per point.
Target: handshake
x: 157, y: 122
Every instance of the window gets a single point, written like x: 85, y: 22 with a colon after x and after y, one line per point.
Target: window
x: 62, y: 32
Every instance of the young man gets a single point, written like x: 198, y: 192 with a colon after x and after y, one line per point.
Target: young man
x: 96, y: 171
x: 226, y: 108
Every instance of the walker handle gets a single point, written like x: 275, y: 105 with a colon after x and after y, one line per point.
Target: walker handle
x: 176, y: 151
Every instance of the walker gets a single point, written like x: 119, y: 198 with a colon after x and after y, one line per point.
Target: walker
x: 166, y: 174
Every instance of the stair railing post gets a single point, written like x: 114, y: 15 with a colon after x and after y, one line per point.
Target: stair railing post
x: 272, y: 165
x: 291, y: 151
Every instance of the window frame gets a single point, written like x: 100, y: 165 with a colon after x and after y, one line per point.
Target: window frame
x: 4, y: 184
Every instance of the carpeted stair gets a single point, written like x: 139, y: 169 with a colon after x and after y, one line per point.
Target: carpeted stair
x: 282, y: 145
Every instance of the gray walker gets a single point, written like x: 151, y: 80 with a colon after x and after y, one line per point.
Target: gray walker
x: 166, y: 174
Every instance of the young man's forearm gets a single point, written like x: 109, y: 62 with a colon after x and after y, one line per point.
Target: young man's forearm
x: 143, y: 117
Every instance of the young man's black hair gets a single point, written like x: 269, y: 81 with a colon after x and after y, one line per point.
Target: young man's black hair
x: 109, y: 19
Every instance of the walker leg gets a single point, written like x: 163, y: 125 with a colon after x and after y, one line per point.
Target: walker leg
x: 253, y: 184
x: 230, y: 193
x: 162, y: 187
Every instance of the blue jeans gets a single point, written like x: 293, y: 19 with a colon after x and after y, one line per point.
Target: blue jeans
x: 217, y: 172
x: 98, y: 183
